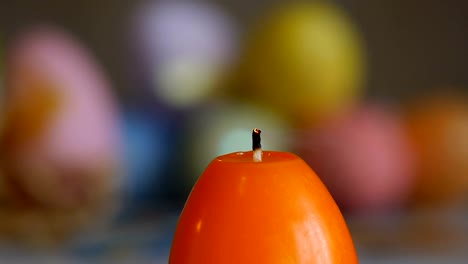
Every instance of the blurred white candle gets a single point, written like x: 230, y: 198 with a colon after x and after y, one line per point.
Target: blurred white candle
x: 225, y: 128
x: 185, y: 48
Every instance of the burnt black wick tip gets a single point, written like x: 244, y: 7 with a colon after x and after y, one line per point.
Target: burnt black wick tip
x: 256, y: 139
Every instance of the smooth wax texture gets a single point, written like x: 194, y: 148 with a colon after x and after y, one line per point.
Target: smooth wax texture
x: 274, y: 211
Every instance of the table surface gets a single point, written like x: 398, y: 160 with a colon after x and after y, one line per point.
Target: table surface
x: 418, y: 238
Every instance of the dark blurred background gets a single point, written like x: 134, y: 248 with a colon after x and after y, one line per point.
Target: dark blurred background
x: 412, y: 47
x: 168, y: 86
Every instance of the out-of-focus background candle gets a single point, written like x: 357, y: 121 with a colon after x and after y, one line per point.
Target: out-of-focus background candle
x: 1, y: 73
x: 438, y: 129
x: 2, y: 80
x: 60, y: 140
x: 146, y: 157
x: 222, y: 128
x: 364, y: 158
x: 110, y: 110
x: 313, y: 51
x: 182, y: 49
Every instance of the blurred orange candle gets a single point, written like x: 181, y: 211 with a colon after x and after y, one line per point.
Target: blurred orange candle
x: 261, y: 207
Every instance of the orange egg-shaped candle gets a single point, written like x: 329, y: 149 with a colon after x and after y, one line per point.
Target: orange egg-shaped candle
x: 261, y: 207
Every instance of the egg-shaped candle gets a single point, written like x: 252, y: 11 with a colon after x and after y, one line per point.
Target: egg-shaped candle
x: 261, y: 207
x: 146, y: 155
x: 364, y: 158
x: 306, y: 58
x: 183, y: 49
x: 60, y: 144
x: 438, y: 129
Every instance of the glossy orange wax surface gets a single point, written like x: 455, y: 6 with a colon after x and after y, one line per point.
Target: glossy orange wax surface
x: 274, y: 211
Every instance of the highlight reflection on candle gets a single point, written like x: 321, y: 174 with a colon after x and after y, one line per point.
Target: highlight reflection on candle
x: 199, y: 225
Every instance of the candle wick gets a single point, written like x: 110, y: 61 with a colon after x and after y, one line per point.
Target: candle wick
x: 256, y: 145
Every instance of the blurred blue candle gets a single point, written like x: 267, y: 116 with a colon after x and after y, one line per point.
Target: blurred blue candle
x: 146, y: 149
